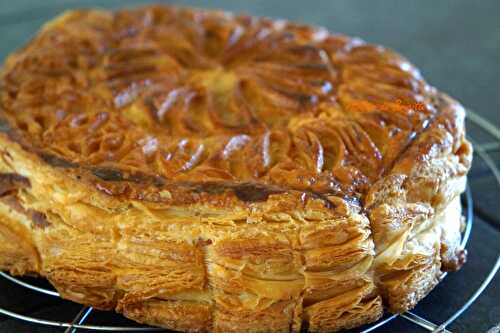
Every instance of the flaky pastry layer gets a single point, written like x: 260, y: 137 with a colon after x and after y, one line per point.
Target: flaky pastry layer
x: 205, y: 172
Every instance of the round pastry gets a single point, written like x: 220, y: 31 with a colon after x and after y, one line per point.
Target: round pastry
x: 206, y: 172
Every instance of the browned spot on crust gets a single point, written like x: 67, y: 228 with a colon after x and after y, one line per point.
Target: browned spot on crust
x: 10, y: 182
x: 57, y: 161
x: 39, y: 219
x: 12, y: 201
x: 4, y: 125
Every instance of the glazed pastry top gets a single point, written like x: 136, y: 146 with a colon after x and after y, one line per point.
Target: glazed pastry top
x: 139, y: 101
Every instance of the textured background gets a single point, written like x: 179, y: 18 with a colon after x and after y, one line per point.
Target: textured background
x: 455, y: 43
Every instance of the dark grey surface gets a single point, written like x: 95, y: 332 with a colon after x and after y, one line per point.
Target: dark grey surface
x: 455, y: 43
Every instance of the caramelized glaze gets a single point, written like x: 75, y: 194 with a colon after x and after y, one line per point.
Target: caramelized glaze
x: 183, y: 94
x: 206, y: 172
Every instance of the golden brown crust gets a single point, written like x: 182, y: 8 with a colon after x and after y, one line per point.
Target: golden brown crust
x: 184, y: 97
x: 201, y: 171
x: 185, y: 316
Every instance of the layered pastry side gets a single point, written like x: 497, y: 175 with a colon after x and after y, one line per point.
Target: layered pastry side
x: 207, y: 172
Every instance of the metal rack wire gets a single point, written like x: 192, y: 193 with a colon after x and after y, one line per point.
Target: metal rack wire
x: 482, y: 150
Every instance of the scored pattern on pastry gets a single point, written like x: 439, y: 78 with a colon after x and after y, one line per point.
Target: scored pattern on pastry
x: 206, y: 172
x: 188, y: 94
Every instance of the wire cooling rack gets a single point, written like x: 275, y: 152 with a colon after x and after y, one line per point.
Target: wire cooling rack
x: 483, y: 150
